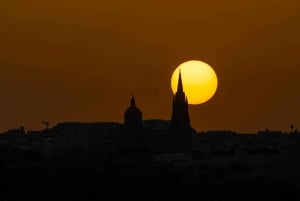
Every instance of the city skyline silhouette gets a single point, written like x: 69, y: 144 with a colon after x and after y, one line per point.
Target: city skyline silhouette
x: 148, y: 159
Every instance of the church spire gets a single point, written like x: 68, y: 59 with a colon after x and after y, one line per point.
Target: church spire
x: 179, y: 85
x: 180, y: 113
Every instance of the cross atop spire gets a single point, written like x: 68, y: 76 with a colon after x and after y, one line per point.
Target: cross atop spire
x: 179, y: 86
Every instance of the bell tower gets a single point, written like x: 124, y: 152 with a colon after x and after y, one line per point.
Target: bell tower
x: 181, y: 132
x: 180, y: 113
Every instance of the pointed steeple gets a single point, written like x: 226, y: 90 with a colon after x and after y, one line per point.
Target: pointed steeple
x: 180, y: 113
x: 132, y: 103
x: 179, y: 85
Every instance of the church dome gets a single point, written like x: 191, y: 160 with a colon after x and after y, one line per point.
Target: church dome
x: 133, y: 112
x: 133, y: 116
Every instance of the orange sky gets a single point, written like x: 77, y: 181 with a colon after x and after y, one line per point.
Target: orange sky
x: 71, y: 60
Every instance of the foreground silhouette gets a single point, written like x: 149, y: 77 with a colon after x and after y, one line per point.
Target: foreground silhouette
x: 148, y: 160
x: 81, y: 161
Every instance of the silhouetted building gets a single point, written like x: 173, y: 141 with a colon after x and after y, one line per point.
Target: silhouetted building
x: 133, y: 128
x: 133, y: 117
x: 180, y: 113
x: 180, y: 123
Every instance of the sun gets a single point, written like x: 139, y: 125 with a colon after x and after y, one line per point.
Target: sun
x: 199, y: 81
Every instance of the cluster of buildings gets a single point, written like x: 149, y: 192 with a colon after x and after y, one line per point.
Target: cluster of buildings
x: 136, y: 136
x: 174, y: 136
x: 162, y: 140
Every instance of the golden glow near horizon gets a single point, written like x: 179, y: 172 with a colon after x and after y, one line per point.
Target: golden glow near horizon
x: 199, y: 81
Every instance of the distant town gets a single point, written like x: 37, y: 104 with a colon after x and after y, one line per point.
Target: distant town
x: 148, y: 157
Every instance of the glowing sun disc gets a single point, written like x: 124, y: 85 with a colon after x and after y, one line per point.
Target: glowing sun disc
x: 199, y: 81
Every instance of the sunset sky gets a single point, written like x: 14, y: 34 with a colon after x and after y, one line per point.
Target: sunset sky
x: 71, y: 60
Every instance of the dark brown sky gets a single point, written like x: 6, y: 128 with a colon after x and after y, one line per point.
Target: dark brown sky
x: 71, y: 60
